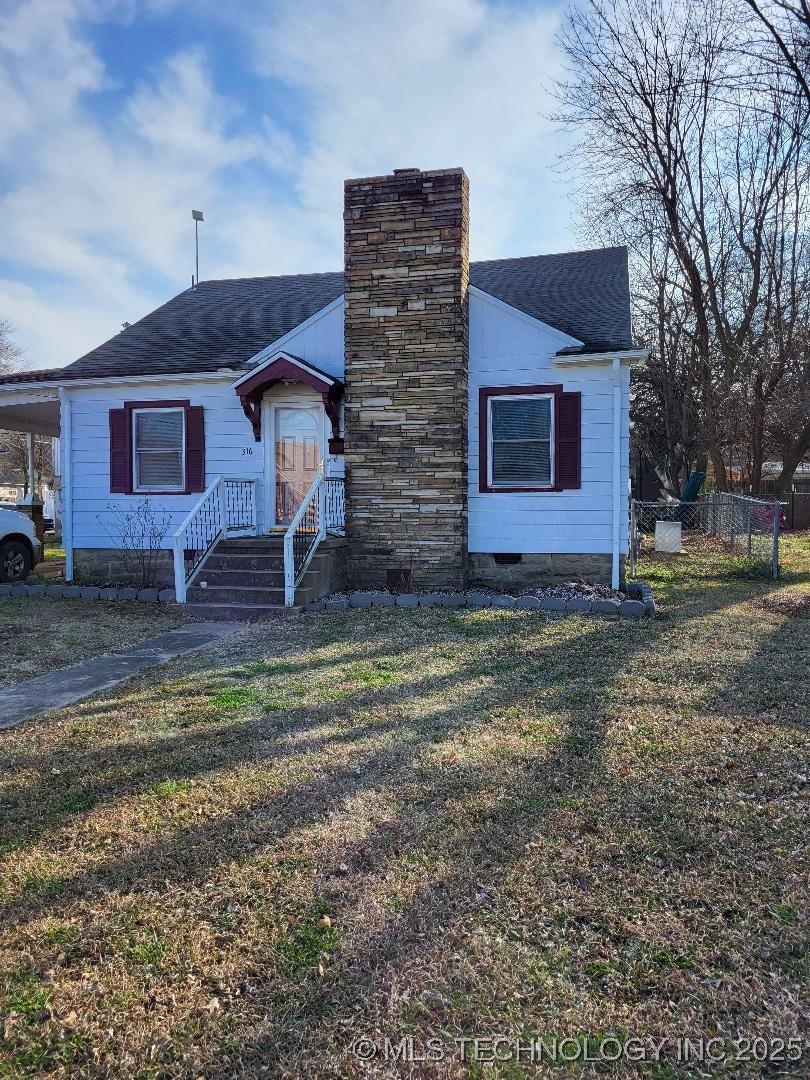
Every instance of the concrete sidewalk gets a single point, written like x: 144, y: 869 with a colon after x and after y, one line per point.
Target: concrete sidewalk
x: 67, y: 685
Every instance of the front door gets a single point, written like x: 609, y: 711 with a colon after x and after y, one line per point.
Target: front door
x: 297, y: 454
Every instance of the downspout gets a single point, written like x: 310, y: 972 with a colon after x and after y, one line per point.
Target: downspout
x: 617, y: 472
x: 66, y: 450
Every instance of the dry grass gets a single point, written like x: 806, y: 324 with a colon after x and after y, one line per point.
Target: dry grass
x: 419, y: 823
x: 37, y: 636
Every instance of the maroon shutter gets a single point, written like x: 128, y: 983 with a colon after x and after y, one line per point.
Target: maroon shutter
x: 120, y: 452
x: 195, y: 448
x: 569, y: 440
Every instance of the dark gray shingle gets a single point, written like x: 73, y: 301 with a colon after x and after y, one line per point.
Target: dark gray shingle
x: 225, y: 323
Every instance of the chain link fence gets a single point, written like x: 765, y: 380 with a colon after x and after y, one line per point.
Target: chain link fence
x: 749, y: 527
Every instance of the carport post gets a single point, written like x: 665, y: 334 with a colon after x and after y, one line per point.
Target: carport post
x: 66, y: 470
x: 32, y: 475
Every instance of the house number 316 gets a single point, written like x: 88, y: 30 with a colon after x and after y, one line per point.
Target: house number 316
x: 247, y: 451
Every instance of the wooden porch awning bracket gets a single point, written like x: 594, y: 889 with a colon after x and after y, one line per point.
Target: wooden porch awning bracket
x: 286, y: 368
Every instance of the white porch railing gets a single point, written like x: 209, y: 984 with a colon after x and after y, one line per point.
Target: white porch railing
x: 322, y: 510
x: 226, y: 508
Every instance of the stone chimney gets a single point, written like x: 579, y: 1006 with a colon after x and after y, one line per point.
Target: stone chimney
x: 406, y: 282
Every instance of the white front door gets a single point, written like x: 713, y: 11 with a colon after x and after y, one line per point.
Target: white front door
x: 295, y: 453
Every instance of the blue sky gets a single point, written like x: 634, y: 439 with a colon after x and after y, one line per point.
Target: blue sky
x: 120, y: 116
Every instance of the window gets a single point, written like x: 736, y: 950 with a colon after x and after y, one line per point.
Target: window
x: 530, y: 438
x: 158, y: 444
x: 521, y: 437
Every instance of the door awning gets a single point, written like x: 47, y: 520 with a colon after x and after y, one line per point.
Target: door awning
x: 285, y: 367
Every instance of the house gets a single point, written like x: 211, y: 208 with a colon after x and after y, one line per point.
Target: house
x: 12, y: 485
x: 416, y: 420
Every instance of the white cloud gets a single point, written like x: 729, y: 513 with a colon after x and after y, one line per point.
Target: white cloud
x: 96, y: 204
x: 430, y: 83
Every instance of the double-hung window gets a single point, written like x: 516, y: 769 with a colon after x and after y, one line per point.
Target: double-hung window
x: 520, y: 438
x: 158, y: 449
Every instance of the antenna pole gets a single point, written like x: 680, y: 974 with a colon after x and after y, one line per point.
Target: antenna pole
x: 198, y: 217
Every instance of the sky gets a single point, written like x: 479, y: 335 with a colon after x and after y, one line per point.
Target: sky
x: 118, y: 117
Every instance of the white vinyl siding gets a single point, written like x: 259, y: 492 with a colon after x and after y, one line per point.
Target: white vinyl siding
x: 521, y: 432
x: 158, y: 449
x: 230, y: 450
x: 509, y: 349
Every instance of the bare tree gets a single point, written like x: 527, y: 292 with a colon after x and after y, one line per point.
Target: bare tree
x: 674, y: 135
x: 10, y: 352
x: 788, y: 25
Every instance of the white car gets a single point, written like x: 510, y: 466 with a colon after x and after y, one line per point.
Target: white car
x: 20, y: 550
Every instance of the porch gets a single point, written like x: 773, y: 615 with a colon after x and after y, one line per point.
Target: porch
x: 224, y: 564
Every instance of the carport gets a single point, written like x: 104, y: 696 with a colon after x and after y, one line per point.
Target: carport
x: 30, y: 404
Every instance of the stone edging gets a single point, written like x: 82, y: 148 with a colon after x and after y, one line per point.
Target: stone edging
x: 640, y: 606
x: 640, y: 590
x: 90, y: 592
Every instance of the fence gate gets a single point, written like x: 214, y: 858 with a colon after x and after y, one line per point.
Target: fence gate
x: 750, y: 527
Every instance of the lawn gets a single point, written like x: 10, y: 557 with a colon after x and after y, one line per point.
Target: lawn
x: 38, y: 635
x: 421, y: 824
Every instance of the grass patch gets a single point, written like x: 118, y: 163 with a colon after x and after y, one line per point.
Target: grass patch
x: 418, y: 823
x: 235, y: 697
x: 308, y: 942
x: 168, y: 789
x: 73, y: 631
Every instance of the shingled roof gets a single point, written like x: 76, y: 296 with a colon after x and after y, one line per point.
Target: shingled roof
x: 222, y: 324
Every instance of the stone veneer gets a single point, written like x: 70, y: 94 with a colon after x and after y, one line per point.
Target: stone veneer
x: 110, y: 564
x: 534, y: 569
x: 406, y: 349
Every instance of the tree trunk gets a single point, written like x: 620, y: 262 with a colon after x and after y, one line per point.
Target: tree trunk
x: 791, y: 456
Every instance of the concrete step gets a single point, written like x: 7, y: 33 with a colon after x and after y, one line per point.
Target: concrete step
x: 240, y: 612
x: 251, y: 545
x: 243, y: 562
x: 232, y: 594
x: 241, y: 578
x: 247, y: 573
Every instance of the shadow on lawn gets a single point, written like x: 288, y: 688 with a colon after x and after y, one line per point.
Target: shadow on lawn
x: 477, y: 854
x: 191, y: 851
x: 120, y: 769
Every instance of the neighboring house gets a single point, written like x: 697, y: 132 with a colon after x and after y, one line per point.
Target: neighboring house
x: 479, y: 413
x: 12, y: 485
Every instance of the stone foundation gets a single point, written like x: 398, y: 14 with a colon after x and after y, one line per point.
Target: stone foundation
x: 110, y: 564
x: 540, y: 569
x: 327, y: 571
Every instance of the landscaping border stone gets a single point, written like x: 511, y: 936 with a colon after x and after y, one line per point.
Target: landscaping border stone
x: 641, y: 591
x: 640, y: 602
x: 90, y: 592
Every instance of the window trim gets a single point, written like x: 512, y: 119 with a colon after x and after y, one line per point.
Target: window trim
x: 169, y: 489
x: 133, y: 407
x: 486, y: 394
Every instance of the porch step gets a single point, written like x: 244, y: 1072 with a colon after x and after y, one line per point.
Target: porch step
x: 241, y: 577
x: 247, y: 575
x: 252, y: 545
x: 244, y: 562
x: 240, y: 612
x: 236, y: 594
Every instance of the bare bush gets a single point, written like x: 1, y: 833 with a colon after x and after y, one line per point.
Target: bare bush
x: 138, y: 533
